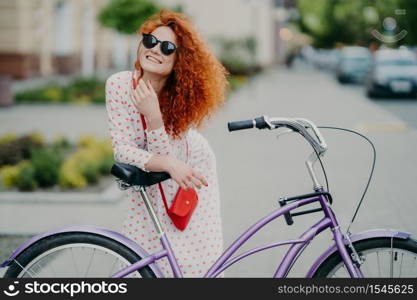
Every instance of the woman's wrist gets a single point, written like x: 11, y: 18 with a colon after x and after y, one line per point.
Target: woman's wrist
x: 168, y: 163
x: 159, y: 163
x: 154, y: 121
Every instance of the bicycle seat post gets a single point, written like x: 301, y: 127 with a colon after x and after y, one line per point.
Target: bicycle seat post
x: 145, y: 198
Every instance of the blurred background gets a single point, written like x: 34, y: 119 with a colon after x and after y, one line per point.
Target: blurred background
x: 343, y: 63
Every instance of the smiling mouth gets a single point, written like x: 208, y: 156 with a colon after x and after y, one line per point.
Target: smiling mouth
x: 153, y: 59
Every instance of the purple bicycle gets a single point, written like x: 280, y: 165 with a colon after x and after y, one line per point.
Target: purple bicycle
x: 86, y: 251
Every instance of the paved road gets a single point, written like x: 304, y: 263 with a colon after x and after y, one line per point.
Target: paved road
x: 255, y: 168
x: 403, y: 108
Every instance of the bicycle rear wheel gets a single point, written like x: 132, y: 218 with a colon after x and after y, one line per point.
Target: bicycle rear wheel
x: 75, y: 254
x: 383, y: 257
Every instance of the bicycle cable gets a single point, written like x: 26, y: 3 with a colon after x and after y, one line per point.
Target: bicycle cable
x: 370, y: 175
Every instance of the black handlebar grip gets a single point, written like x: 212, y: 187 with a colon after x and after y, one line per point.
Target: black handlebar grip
x: 261, y: 123
x: 238, y: 125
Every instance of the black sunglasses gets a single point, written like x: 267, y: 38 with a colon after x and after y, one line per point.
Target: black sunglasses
x: 150, y: 41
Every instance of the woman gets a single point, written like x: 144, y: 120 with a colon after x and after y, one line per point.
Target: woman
x: 179, y: 84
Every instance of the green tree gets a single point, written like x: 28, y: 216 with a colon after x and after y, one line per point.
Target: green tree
x: 408, y: 21
x: 126, y: 16
x: 352, y: 21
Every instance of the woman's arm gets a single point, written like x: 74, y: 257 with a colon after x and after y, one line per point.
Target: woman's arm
x: 121, y: 128
x: 126, y: 151
x: 145, y: 99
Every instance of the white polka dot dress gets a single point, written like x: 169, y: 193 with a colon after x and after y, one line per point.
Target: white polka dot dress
x: 201, y: 243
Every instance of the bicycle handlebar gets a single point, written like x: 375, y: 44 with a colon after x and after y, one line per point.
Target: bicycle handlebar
x: 259, y: 123
x: 295, y: 124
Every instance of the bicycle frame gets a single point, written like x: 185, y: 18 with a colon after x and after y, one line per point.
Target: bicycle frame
x: 224, y: 261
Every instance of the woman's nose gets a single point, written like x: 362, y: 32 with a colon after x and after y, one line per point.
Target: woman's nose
x: 156, y: 49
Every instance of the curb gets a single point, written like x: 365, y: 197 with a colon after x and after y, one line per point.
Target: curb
x: 110, y: 195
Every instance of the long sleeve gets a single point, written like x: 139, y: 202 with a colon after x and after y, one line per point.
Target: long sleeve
x: 159, y: 141
x: 121, y: 126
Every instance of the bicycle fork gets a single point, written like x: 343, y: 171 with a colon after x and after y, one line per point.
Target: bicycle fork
x: 353, y: 263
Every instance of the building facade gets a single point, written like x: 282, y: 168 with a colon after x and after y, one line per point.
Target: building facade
x: 47, y: 37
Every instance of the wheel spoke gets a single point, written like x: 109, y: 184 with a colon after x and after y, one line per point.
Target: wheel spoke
x: 401, y: 264
x: 383, y: 262
x: 391, y: 270
x: 52, y: 268
x: 89, y: 263
x: 366, y: 267
x: 64, y: 261
x: 74, y: 261
x: 24, y: 269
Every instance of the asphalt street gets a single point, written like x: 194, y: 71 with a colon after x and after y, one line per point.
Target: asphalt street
x: 255, y: 168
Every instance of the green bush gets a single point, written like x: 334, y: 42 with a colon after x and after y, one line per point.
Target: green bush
x: 236, y: 81
x: 53, y: 93
x: 46, y: 163
x: 10, y: 154
x: 91, y: 173
x: 29, y: 142
x: 9, y: 175
x: 99, y: 99
x: 26, y: 178
x: 106, y: 164
x: 84, y: 90
x: 34, y: 95
x: 36, y: 164
x: 13, y: 151
x: 238, y: 55
x: 92, y: 159
x: 61, y: 142
x: 70, y: 176
x: 8, y: 137
x: 50, y: 93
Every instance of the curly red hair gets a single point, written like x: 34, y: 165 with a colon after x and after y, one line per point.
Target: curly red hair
x: 197, y: 84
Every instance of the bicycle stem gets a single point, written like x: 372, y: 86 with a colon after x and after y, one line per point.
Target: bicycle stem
x: 312, y: 159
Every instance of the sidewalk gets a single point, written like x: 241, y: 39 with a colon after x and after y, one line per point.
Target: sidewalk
x: 255, y: 168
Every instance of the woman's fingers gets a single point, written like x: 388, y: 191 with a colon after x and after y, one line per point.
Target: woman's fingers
x: 141, y: 94
x: 196, y: 182
x: 187, y: 185
x: 200, y: 178
x: 150, y: 87
x: 135, y: 97
x: 183, y: 185
x: 143, y: 87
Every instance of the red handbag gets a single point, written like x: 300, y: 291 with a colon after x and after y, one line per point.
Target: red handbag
x: 185, y: 201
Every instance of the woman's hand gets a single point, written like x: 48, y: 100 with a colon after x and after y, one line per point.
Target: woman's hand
x: 184, y: 175
x: 146, y: 101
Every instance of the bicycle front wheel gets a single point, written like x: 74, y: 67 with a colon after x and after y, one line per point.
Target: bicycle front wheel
x: 383, y: 257
x: 75, y: 254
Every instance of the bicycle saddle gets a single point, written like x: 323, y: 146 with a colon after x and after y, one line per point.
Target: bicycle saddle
x: 134, y: 176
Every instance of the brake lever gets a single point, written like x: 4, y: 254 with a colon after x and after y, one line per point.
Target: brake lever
x: 284, y: 132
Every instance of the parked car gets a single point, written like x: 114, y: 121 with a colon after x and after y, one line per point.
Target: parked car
x: 354, y: 64
x: 393, y: 73
x: 325, y: 59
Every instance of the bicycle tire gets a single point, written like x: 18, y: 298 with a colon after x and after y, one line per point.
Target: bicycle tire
x: 408, y: 246
x: 52, y: 244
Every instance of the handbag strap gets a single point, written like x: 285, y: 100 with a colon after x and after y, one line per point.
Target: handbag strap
x: 142, y: 117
